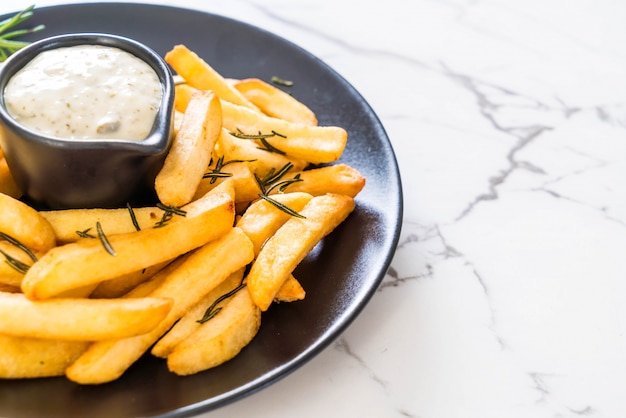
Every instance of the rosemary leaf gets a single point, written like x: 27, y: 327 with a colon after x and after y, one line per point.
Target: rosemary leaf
x: 133, y: 218
x: 280, y: 82
x: 168, y: 212
x: 85, y: 233
x: 15, y: 263
x: 213, y: 309
x: 282, y: 207
x: 7, y: 44
x: 103, y: 239
x: 16, y: 243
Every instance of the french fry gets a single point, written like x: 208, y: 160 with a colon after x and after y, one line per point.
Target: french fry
x: 186, y: 162
x: 80, y: 319
x: 200, y: 272
x: 338, y: 179
x: 25, y: 224
x: 182, y: 96
x: 315, y: 144
x: 290, y: 291
x: 7, y: 182
x: 219, y: 339
x: 200, y: 75
x: 26, y: 358
x: 262, y: 219
x: 292, y: 242
x: 69, y: 223
x: 274, y: 102
x: 89, y: 261
x: 189, y: 322
x: 119, y: 286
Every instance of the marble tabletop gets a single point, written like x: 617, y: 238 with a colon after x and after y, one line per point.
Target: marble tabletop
x: 506, y: 294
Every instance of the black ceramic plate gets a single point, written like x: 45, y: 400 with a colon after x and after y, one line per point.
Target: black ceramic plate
x: 340, y: 275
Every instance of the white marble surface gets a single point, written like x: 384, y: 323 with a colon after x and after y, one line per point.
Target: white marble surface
x: 506, y: 295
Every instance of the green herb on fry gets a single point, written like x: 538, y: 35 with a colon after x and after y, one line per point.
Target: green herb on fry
x: 103, y: 239
x: 12, y: 261
x: 280, y: 82
x: 7, y: 44
x: 273, y: 180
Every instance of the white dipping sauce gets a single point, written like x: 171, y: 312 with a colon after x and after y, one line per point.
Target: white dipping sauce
x: 85, y: 92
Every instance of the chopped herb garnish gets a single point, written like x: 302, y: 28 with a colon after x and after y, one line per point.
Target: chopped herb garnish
x: 85, y: 233
x: 8, y: 238
x: 281, y: 82
x: 7, y: 44
x: 133, y: 218
x: 168, y: 213
x: 273, y: 180
x: 103, y: 239
x: 261, y: 137
x: 15, y: 263
x: 214, y: 309
x: 217, y: 172
x: 282, y: 206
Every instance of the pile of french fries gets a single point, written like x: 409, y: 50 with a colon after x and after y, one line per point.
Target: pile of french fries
x: 246, y: 192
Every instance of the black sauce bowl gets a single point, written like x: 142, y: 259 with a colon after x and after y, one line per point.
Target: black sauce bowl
x: 59, y: 173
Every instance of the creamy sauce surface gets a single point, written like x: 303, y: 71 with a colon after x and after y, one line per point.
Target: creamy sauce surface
x: 85, y: 92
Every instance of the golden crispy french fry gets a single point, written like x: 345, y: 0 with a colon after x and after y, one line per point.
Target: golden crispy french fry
x: 315, y: 144
x: 189, y: 322
x: 89, y: 261
x: 69, y: 224
x: 26, y: 358
x: 245, y: 185
x: 7, y: 183
x: 290, y: 291
x: 25, y: 224
x: 80, y: 319
x: 119, y: 286
x: 338, y: 179
x: 186, y: 162
x: 219, y: 339
x: 182, y: 96
x: 200, y: 272
x: 231, y: 149
x: 262, y: 219
x: 274, y: 102
x: 178, y: 121
x: 200, y: 75
x: 292, y: 242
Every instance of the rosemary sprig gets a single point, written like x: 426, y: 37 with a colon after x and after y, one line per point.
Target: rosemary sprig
x: 262, y: 138
x: 272, y: 177
x: 133, y: 218
x: 214, y: 309
x: 281, y: 82
x: 7, y: 44
x: 168, y: 213
x: 273, y: 180
x: 281, y: 206
x: 8, y: 238
x: 217, y: 173
x: 16, y: 264
x: 85, y: 233
x: 103, y: 239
